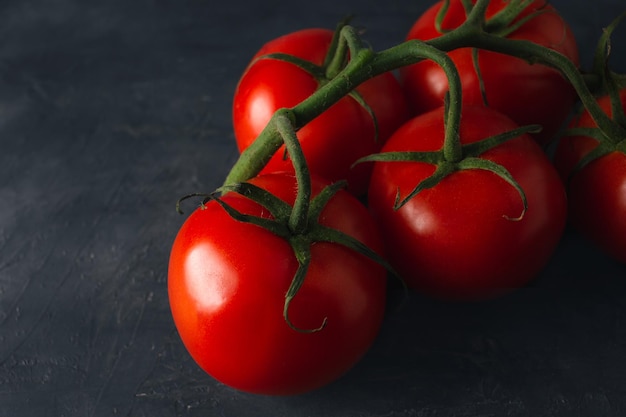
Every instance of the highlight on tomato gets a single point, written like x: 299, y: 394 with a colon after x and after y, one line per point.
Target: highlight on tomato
x: 485, y: 228
x: 593, y: 169
x: 227, y: 285
x: 288, y: 70
x: 527, y: 93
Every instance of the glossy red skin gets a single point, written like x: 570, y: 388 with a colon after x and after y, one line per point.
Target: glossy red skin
x: 453, y: 241
x: 529, y: 94
x: 333, y: 141
x: 227, y: 283
x: 597, y: 193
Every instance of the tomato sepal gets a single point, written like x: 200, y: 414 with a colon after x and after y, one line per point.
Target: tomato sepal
x: 469, y: 160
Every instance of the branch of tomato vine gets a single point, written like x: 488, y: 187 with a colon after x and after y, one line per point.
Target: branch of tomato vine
x: 612, y: 81
x: 299, y: 224
x: 454, y: 156
x: 364, y: 64
x: 607, y: 83
x: 351, y: 62
x: 338, y: 52
x: 299, y: 215
x: 534, y: 53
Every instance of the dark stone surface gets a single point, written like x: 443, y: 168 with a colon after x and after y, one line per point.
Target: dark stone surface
x: 111, y: 110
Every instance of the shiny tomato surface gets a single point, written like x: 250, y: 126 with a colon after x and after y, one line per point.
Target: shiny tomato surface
x: 227, y: 284
x: 463, y: 239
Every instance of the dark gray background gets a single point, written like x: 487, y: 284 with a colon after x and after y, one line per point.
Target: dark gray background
x: 111, y: 110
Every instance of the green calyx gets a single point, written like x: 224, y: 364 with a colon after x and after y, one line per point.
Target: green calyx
x: 503, y: 23
x: 298, y: 224
x: 507, y: 20
x: 453, y: 156
x: 469, y: 160
x: 611, y: 84
x: 301, y: 240
x: 610, y: 133
x: 343, y: 45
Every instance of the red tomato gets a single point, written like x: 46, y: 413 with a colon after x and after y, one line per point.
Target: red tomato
x: 597, y: 193
x: 342, y: 134
x: 459, y: 240
x: 227, y: 285
x: 529, y: 94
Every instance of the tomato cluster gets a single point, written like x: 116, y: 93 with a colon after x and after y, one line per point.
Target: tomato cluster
x: 278, y: 285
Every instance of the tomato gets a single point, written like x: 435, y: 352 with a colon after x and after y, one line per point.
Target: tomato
x: 529, y: 94
x: 227, y: 284
x: 462, y: 239
x: 597, y: 193
x: 333, y: 141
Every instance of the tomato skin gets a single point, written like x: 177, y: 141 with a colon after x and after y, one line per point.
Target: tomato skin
x: 333, y: 141
x: 597, y: 193
x: 529, y: 94
x: 227, y: 283
x: 454, y: 241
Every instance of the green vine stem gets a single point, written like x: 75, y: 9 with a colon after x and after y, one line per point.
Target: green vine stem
x: 338, y: 52
x: 611, y: 80
x: 607, y: 83
x: 364, y: 64
x: 534, y: 53
x: 299, y: 214
x: 299, y: 224
x: 452, y: 148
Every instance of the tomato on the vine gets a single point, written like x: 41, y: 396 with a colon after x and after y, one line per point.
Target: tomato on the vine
x: 528, y: 93
x: 227, y: 286
x: 596, y: 192
x: 343, y: 133
x: 468, y: 237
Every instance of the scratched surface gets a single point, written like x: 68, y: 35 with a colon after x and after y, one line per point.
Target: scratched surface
x: 111, y: 110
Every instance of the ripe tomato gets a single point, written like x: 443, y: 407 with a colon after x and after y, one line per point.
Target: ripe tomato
x: 342, y: 134
x: 597, y: 193
x: 529, y: 94
x: 460, y: 240
x: 227, y: 285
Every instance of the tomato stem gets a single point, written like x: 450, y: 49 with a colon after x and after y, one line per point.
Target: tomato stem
x: 534, y: 53
x: 299, y: 215
x: 338, y: 52
x: 415, y: 51
x: 365, y: 64
x: 506, y: 20
x: 467, y: 5
x: 475, y: 14
x: 611, y: 80
x: 441, y: 14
